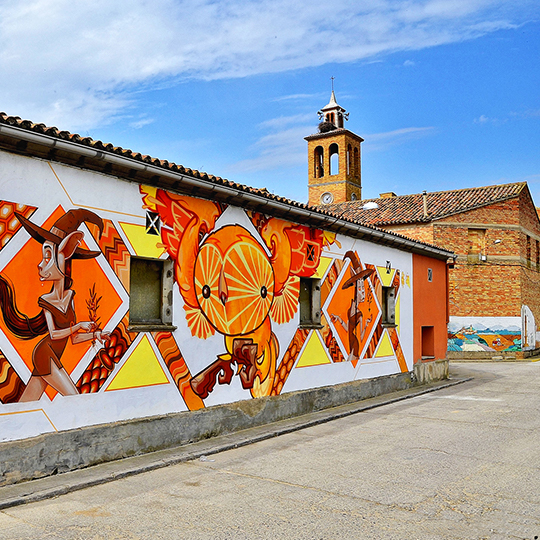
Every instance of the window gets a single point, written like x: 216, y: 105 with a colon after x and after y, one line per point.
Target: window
x: 310, y: 302
x: 150, y: 300
x: 477, y: 241
x: 537, y: 254
x: 428, y: 342
x: 528, y: 250
x: 334, y: 159
x: 318, y: 165
x: 430, y: 274
x: 388, y: 306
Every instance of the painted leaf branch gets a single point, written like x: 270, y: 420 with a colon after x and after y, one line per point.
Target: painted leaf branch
x: 93, y: 305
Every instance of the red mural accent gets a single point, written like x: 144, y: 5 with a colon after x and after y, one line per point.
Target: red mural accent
x: 114, y: 249
x: 330, y: 342
x: 289, y: 358
x: 103, y: 363
x: 11, y: 385
x: 9, y: 224
x: 394, y: 339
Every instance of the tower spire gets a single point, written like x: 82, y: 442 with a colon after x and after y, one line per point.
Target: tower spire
x: 333, y: 113
x: 334, y: 158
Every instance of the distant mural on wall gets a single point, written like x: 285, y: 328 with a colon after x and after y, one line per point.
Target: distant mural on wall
x: 64, y: 294
x: 493, y: 334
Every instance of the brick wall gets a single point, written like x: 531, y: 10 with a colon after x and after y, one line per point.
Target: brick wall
x: 422, y: 232
x: 498, y: 286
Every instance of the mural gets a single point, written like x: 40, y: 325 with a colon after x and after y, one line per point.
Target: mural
x: 490, y: 334
x: 64, y: 294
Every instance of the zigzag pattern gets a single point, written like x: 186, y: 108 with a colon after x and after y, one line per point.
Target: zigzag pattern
x: 394, y: 338
x: 377, y: 334
x: 103, y: 363
x: 178, y: 368
x: 114, y: 249
x: 11, y: 385
x: 9, y: 224
x: 289, y: 358
x: 330, y: 342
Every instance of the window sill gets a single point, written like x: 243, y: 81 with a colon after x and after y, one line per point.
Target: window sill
x: 151, y: 327
x: 310, y: 326
x: 388, y: 325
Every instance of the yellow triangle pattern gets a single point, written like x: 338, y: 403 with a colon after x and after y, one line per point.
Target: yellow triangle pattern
x: 385, y: 277
x: 385, y: 347
x: 145, y: 245
x: 142, y: 368
x: 324, y: 263
x: 314, y: 353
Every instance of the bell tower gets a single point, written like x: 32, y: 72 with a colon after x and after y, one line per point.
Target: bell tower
x: 334, y: 159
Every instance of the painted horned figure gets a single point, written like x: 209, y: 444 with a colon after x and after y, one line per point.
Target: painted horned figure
x: 56, y: 320
x: 234, y: 285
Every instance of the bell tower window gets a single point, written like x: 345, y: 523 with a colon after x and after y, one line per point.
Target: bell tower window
x: 334, y: 158
x: 356, y: 162
x: 318, y: 156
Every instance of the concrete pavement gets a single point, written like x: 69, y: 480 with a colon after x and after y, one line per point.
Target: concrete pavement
x: 462, y: 462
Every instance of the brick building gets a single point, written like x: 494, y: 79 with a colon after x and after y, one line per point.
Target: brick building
x: 495, y: 233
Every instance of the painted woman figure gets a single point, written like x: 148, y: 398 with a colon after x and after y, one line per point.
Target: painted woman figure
x: 57, y: 317
x: 355, y: 317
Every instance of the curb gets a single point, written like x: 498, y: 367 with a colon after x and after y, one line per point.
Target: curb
x: 54, y: 486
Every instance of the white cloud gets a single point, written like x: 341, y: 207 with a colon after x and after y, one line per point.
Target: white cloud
x: 138, y: 124
x: 380, y: 141
x: 76, y: 64
x: 286, y: 147
x: 282, y: 148
x: 482, y: 119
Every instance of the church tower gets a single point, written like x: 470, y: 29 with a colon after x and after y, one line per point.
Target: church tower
x: 334, y: 159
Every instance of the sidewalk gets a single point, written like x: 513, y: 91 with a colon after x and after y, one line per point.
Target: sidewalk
x: 53, y: 486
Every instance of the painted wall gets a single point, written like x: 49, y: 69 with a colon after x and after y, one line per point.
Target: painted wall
x: 67, y: 358
x: 484, y: 334
x: 430, y: 307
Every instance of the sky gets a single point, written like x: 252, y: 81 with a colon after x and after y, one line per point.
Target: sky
x: 445, y: 93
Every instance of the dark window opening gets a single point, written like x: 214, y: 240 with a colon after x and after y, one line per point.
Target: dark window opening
x: 356, y: 162
x: 310, y: 302
x: 150, y: 300
x: 428, y: 342
x: 319, y: 162
x: 388, y: 306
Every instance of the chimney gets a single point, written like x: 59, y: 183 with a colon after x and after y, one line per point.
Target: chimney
x: 424, y: 198
x: 387, y: 195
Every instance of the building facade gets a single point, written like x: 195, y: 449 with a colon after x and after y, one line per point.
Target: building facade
x: 494, y: 283
x: 132, y: 287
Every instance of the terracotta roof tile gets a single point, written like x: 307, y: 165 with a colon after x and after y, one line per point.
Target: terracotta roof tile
x: 262, y: 192
x: 410, y: 208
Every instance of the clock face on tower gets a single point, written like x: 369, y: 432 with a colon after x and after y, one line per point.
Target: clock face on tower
x: 327, y: 198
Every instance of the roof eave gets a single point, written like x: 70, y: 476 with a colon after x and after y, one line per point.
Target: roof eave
x: 134, y: 170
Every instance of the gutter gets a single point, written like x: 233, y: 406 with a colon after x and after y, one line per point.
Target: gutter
x: 301, y: 213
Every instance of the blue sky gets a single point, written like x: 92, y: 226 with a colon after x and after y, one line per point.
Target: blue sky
x: 446, y: 93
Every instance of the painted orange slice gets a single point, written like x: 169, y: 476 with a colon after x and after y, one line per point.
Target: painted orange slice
x: 207, y: 272
x: 250, y: 282
x: 234, y: 281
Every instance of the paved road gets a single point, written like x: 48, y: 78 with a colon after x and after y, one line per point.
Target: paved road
x: 463, y: 462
